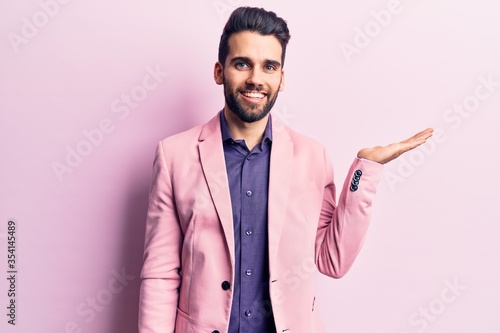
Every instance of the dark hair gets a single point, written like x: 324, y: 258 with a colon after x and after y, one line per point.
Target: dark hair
x: 256, y: 20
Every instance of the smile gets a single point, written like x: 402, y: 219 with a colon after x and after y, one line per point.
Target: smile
x: 253, y: 94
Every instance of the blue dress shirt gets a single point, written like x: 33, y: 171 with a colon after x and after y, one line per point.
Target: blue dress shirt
x: 248, y: 175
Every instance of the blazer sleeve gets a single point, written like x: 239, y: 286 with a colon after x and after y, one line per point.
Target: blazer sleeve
x: 160, y: 274
x: 342, y: 228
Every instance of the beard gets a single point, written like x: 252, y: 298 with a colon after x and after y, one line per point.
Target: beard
x: 250, y: 113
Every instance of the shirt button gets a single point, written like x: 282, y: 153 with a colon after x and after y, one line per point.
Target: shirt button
x: 249, y: 193
x: 248, y: 313
x: 248, y: 272
x: 248, y: 232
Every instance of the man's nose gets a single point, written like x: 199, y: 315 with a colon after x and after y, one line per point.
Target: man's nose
x: 255, y: 77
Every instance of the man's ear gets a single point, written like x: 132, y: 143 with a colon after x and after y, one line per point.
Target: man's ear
x: 218, y: 73
x: 282, y: 83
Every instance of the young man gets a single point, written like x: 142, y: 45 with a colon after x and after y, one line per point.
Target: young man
x: 243, y: 209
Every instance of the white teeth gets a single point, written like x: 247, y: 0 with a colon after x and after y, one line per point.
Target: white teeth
x: 253, y: 94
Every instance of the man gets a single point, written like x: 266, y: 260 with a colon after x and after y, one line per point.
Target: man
x: 240, y: 204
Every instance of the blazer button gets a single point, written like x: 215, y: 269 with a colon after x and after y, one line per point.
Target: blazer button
x: 358, y: 173
x: 226, y: 285
x: 215, y: 331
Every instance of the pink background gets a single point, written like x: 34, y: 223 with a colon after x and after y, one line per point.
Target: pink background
x: 435, y: 223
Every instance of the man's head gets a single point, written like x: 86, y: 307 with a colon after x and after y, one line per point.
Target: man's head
x: 258, y: 20
x: 250, y: 66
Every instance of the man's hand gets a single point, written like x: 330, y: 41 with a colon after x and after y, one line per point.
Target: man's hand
x: 386, y: 154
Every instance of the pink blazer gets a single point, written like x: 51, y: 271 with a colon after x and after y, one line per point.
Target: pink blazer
x: 188, y: 267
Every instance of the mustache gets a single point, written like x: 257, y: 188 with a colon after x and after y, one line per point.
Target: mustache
x: 251, y: 87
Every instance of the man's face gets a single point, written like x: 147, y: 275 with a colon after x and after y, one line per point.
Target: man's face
x: 252, y: 75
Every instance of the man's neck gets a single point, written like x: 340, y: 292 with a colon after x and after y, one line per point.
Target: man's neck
x: 252, y: 133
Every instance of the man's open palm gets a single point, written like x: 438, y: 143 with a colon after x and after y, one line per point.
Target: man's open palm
x: 386, y: 154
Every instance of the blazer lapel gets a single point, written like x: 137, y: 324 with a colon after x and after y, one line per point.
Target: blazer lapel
x: 279, y: 185
x: 214, y: 168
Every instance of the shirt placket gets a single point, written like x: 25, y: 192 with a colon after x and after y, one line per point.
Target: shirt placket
x: 247, y: 236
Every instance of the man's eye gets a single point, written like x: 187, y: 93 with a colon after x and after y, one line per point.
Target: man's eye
x: 241, y: 65
x: 270, y: 68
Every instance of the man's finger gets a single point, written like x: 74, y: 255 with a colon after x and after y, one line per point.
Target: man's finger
x: 420, y: 136
x: 425, y: 134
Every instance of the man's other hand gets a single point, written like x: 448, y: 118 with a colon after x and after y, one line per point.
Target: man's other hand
x: 386, y: 154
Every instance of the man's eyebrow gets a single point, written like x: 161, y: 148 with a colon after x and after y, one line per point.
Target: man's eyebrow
x: 273, y: 62
x: 249, y: 61
x: 243, y: 59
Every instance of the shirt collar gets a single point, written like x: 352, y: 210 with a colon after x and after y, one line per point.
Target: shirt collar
x: 226, y: 135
